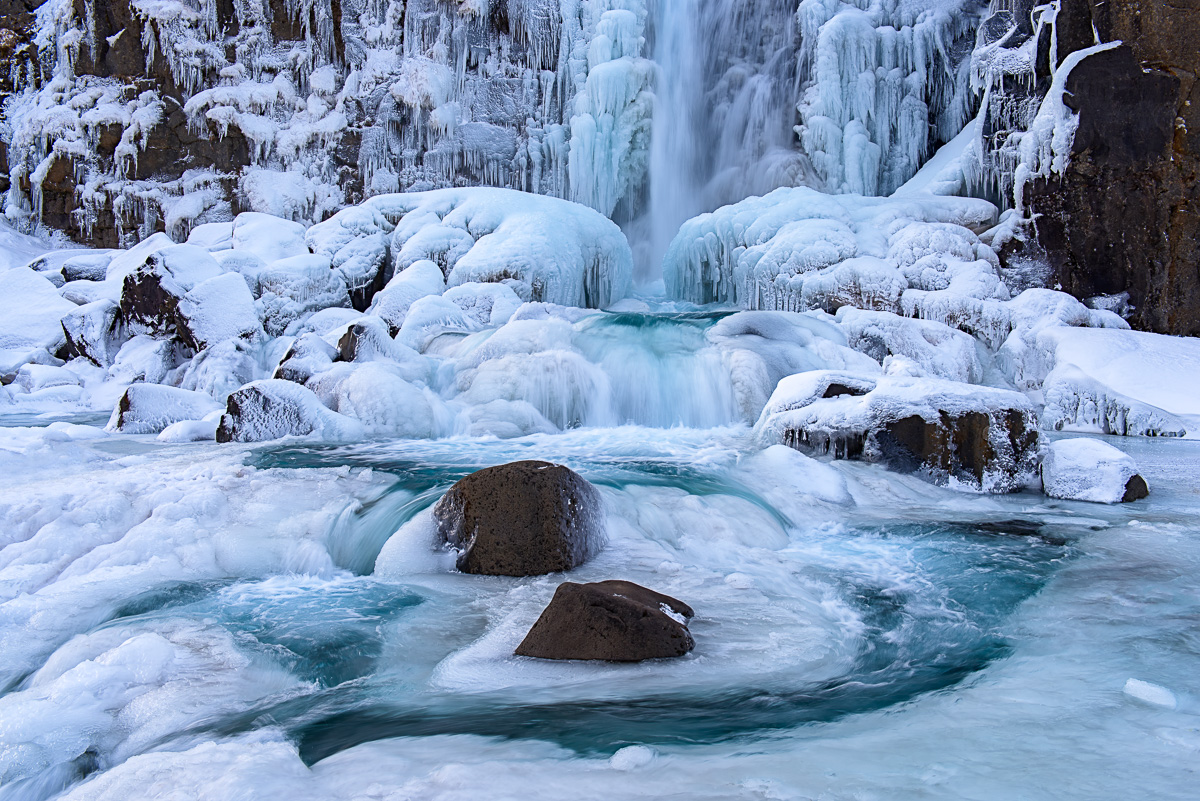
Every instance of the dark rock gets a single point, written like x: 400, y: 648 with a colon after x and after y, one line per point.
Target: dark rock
x: 967, y: 446
x: 615, y: 621
x: 365, y: 341
x: 521, y: 519
x: 1125, y: 216
x: 1135, y: 489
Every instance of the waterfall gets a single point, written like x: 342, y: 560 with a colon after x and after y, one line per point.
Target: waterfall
x: 724, y: 113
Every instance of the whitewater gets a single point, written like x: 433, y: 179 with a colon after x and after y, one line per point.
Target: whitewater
x: 269, y: 617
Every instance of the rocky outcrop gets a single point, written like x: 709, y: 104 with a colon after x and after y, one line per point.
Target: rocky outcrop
x: 941, y: 430
x: 521, y: 519
x: 614, y: 621
x: 1125, y: 215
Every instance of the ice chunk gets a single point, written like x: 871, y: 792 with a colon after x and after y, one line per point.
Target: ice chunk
x: 149, y: 408
x: 1090, y: 470
x: 940, y: 351
x: 294, y: 287
x: 377, y: 395
x: 192, y: 430
x: 1152, y: 694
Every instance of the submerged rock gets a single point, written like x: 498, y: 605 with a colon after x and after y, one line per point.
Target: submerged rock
x: 521, y: 519
x: 1085, y: 469
x: 614, y: 621
x: 983, y: 437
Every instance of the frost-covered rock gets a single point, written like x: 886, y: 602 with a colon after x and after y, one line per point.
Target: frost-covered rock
x: 368, y: 339
x: 89, y: 266
x: 521, y: 519
x: 93, y: 331
x: 150, y: 408
x: 614, y: 621
x: 307, y: 356
x: 144, y: 358
x: 266, y: 410
x: 218, y: 309
x: 1090, y: 470
x: 547, y: 249
x: 970, y: 435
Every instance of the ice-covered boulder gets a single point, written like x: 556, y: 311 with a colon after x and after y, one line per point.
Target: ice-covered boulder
x: 91, y: 265
x: 947, y: 431
x: 295, y: 287
x: 545, y: 248
x: 150, y: 408
x: 218, y: 309
x: 797, y: 249
x: 266, y: 410
x: 216, y: 236
x: 368, y: 339
x: 32, y: 311
x: 268, y: 237
x: 1090, y: 470
x: 151, y: 292
x: 614, y: 621
x: 521, y: 519
x: 144, y: 358
x: 307, y: 356
x: 93, y: 332
x: 421, y: 279
x: 939, y: 350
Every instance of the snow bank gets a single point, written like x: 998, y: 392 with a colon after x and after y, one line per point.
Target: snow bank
x: 33, y: 310
x: 1090, y: 470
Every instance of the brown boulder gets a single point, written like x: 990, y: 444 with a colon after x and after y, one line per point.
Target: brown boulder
x: 614, y: 621
x: 521, y: 519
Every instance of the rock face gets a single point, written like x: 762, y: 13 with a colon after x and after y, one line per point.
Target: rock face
x: 1125, y: 215
x: 614, y: 621
x: 982, y: 437
x: 521, y: 519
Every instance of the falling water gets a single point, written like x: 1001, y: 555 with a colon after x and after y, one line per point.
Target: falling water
x: 724, y: 113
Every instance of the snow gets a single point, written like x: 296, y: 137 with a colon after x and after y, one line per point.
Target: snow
x: 32, y: 311
x: 1084, y: 469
